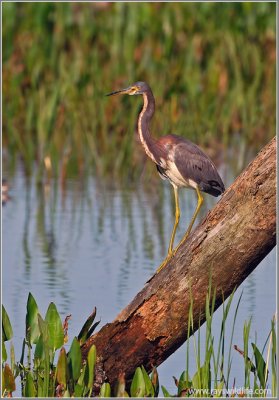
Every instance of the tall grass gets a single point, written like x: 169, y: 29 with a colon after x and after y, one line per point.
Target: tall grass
x: 211, y: 66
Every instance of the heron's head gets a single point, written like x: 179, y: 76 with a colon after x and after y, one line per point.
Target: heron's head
x: 135, y: 88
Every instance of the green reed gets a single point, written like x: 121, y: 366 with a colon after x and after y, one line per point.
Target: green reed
x: 211, y: 66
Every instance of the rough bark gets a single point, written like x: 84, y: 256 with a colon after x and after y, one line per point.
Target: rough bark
x: 229, y: 243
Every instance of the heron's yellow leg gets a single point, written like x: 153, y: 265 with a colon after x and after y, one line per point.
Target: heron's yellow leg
x: 200, y: 201
x: 177, y: 216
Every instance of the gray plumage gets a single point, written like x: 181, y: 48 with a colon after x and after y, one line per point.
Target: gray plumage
x: 192, y: 163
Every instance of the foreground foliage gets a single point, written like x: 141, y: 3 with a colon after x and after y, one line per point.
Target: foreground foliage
x: 45, y: 372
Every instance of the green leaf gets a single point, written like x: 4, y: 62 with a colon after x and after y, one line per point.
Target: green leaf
x: 7, y: 330
x: 149, y: 389
x: 55, y: 327
x: 39, y: 349
x: 9, y: 380
x: 32, y: 327
x: 138, y: 384
x: 121, y: 385
x: 74, y: 358
x: 4, y: 352
x: 40, y: 384
x: 218, y: 392
x: 82, y: 376
x: 92, y: 329
x: 78, y: 392
x: 183, y: 383
x: 165, y: 392
x: 196, y: 381
x: 202, y: 378
x: 105, y: 390
x: 13, y: 362
x: 61, y: 369
x: 22, y: 352
x: 206, y: 375
x: 82, y: 336
x: 155, y: 381
x: 67, y: 394
x: 29, y: 390
x: 247, y: 362
x: 91, y: 359
x: 43, y: 328
x: 273, y: 359
x: 260, y: 365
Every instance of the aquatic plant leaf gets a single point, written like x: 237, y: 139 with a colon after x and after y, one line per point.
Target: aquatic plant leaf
x: 43, y: 328
x: 9, y: 380
x: 29, y: 389
x: 78, y: 392
x: 39, y: 349
x: 183, y: 383
x: 22, y: 352
x: 206, y: 375
x: 7, y: 331
x: 165, y: 392
x: 155, y: 381
x: 67, y: 393
x: 84, y: 330
x: 4, y: 352
x: 105, y: 390
x: 32, y: 328
x: 218, y: 390
x: 121, y: 384
x: 196, y: 380
x: 55, y: 327
x: 273, y: 359
x: 91, y: 360
x: 61, y: 369
x: 231, y: 339
x: 74, y: 359
x: 260, y: 365
x: 149, y: 389
x: 40, y: 385
x: 82, y: 376
x: 92, y: 329
x: 202, y: 377
x: 138, y: 384
x: 12, y: 355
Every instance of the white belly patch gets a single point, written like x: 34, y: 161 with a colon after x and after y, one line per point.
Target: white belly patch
x: 175, y: 177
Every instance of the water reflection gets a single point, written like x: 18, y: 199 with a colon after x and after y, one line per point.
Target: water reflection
x: 86, y: 244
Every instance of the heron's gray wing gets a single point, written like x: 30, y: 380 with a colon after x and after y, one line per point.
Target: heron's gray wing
x: 194, y: 164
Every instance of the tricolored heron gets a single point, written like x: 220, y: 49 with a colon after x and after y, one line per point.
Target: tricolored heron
x: 177, y: 159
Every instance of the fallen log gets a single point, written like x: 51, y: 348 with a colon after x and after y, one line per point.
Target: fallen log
x: 229, y: 243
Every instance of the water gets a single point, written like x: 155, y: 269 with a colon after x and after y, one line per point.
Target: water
x: 85, y: 244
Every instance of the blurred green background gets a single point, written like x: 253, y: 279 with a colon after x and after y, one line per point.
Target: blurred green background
x: 211, y: 67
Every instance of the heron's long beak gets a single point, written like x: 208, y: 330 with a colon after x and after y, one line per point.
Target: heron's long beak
x: 122, y: 91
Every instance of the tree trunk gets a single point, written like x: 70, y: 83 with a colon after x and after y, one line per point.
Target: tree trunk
x: 230, y: 242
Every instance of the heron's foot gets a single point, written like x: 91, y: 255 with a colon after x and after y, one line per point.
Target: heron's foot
x: 167, y: 259
x: 173, y: 252
x: 164, y: 263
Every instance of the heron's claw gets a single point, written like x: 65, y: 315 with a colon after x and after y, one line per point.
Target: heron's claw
x: 166, y: 260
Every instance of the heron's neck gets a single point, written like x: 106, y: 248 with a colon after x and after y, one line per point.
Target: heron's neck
x: 143, y: 125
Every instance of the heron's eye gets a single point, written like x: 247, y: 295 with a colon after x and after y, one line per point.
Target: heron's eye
x: 134, y: 90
